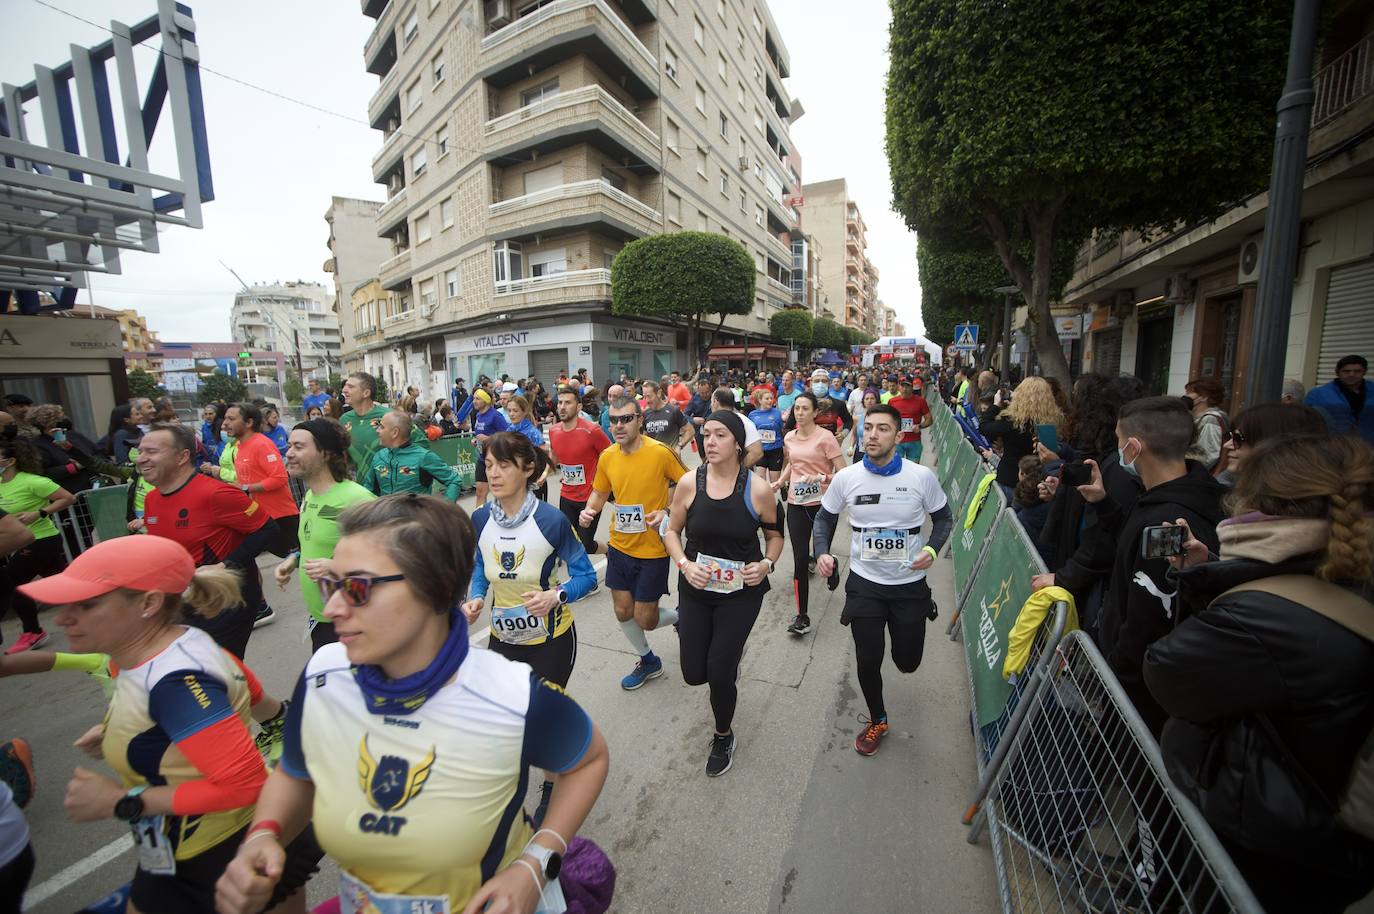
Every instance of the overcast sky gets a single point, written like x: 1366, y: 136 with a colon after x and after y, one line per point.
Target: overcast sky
x: 276, y: 163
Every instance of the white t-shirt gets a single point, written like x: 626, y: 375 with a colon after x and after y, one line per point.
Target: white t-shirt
x: 856, y: 401
x: 882, y: 509
x: 751, y: 431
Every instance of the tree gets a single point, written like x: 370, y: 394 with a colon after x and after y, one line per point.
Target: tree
x: 293, y: 390
x: 857, y: 337
x: 1019, y: 122
x: 142, y: 384
x: 957, y: 287
x: 792, y: 325
x: 827, y: 334
x: 226, y: 388
x: 683, y: 276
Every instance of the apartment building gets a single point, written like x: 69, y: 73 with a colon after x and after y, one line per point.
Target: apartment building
x: 355, y: 253
x: 525, y: 142
x: 849, y: 280
x: 296, y: 318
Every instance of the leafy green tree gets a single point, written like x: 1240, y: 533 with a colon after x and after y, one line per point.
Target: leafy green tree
x: 683, y: 276
x: 1022, y: 123
x: 221, y: 387
x: 828, y: 334
x: 142, y: 384
x: 792, y: 324
x: 856, y: 337
x: 294, y: 390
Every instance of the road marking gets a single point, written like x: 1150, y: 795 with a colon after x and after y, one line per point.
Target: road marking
x: 481, y: 637
x: 79, y: 870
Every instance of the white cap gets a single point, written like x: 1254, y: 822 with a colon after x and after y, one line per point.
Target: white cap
x: 509, y: 387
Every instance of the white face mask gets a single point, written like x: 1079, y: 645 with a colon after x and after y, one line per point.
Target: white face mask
x: 819, y: 389
x: 1128, y: 467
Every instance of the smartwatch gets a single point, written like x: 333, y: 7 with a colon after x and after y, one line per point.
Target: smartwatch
x: 562, y: 597
x: 550, y: 860
x: 771, y: 566
x: 130, y: 806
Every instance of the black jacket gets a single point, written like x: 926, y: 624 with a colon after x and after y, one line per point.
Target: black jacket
x: 1132, y: 617
x: 1254, y: 654
x: 1017, y: 442
x: 58, y: 461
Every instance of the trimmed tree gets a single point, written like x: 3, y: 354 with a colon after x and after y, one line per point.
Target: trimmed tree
x: 293, y: 390
x: 828, y: 335
x: 1018, y: 122
x: 856, y: 337
x: 142, y: 384
x: 794, y: 325
x: 221, y: 387
x: 683, y: 276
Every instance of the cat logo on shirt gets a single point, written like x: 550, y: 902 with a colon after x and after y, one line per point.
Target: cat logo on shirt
x: 390, y: 783
x: 508, y: 561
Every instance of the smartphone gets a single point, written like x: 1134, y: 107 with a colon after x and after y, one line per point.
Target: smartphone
x: 1048, y: 435
x: 1161, y: 542
x: 1076, y: 474
x: 59, y: 435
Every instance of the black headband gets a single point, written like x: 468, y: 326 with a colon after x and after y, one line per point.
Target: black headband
x: 326, y: 433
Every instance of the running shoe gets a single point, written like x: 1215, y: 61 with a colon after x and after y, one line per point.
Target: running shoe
x: 866, y: 743
x: 545, y: 794
x: 27, y: 642
x: 16, y: 770
x: 644, y: 671
x: 722, y: 754
x: 801, y: 624
x: 270, y: 735
x: 266, y: 616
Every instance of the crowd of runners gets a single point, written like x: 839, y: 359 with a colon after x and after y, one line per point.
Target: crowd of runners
x: 218, y: 779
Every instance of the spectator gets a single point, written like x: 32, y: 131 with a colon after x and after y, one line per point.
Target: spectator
x: 18, y: 405
x: 273, y: 429
x: 1206, y: 396
x: 164, y: 411
x: 65, y: 458
x: 1292, y: 391
x: 1031, y: 503
x: 1263, y: 423
x: 123, y: 433
x: 1263, y: 688
x: 314, y: 398
x: 1345, y: 402
x: 212, y: 417
x: 1033, y: 405
x: 446, y: 420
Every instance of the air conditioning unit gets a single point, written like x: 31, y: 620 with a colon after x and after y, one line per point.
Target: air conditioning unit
x: 428, y: 309
x: 1247, y: 274
x: 743, y: 163
x: 1178, y: 289
x: 498, y: 14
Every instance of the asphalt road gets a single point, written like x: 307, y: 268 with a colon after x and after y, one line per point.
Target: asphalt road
x: 801, y: 823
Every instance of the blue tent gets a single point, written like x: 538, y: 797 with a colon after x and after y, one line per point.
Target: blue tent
x: 830, y: 357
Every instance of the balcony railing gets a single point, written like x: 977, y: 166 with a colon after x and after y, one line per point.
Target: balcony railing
x: 566, y: 280
x: 1343, y: 82
x: 395, y: 271
x: 560, y: 7
x: 545, y: 115
x: 380, y: 32
x: 392, y: 320
x: 395, y: 200
x: 580, y: 191
x: 389, y: 148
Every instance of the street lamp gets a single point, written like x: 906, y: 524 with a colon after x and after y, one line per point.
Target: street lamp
x: 1006, y: 292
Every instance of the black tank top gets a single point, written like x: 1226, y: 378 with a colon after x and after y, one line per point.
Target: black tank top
x: 725, y: 528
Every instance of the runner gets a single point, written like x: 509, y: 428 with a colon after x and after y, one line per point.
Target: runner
x: 639, y: 471
x: 915, y: 415
x: 831, y: 412
x: 663, y: 421
x: 365, y: 420
x: 812, y: 459
x: 888, y: 499
x: 724, y: 398
x: 408, y: 749
x: 317, y: 454
x: 400, y: 466
x: 722, y: 507
x: 577, y: 444
x: 522, y: 422
x: 520, y: 539
x: 176, y: 732
x: 767, y: 418
x: 870, y: 398
x: 33, y: 499
x: 260, y: 472
x: 486, y: 421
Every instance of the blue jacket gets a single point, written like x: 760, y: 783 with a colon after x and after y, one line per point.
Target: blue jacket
x: 1335, y: 409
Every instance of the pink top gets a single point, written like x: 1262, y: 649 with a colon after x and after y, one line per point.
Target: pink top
x: 811, y: 456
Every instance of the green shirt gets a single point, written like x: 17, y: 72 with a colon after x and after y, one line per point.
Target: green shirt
x: 362, y: 431
x: 27, y: 492
x: 319, y: 531
x: 227, y: 473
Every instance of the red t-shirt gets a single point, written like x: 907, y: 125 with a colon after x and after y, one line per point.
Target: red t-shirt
x: 210, y: 518
x: 257, y: 461
x: 679, y: 394
x: 577, y: 452
x: 912, y: 410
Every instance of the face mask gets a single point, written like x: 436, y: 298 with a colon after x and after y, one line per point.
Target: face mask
x: 1128, y: 467
x: 229, y: 438
x: 819, y: 389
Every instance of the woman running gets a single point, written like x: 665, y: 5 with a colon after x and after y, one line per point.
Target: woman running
x: 409, y: 751
x: 870, y: 399
x: 768, y: 419
x: 34, y: 499
x: 518, y: 409
x: 813, y: 458
x: 176, y: 732
x: 520, y: 541
x: 722, y: 507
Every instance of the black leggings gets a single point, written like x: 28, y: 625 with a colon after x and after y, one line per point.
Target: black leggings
x: 908, y: 644
x: 799, y: 521
x: 572, y: 511
x: 43, y: 557
x: 14, y: 879
x: 712, y: 633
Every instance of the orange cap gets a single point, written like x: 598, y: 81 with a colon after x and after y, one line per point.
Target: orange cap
x: 133, y: 562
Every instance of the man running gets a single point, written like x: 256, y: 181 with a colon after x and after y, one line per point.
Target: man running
x: 400, y: 466
x: 915, y: 415
x: 487, y: 420
x: 888, y: 499
x: 831, y: 412
x: 663, y: 421
x: 317, y: 454
x: 577, y: 444
x: 639, y: 471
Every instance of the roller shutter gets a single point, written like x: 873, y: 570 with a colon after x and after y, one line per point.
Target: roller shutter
x: 1348, y: 325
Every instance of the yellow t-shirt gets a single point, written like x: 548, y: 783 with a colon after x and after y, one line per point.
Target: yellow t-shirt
x: 639, y: 484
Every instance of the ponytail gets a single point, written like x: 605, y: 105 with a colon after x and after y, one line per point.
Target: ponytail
x: 212, y: 591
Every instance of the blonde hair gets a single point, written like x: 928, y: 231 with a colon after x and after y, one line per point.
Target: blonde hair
x: 44, y: 415
x: 1032, y: 404
x: 211, y: 592
x: 1317, y: 477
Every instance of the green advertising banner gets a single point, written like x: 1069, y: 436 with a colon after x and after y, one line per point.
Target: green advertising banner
x: 967, y: 544
x: 107, y: 508
x: 458, y: 452
x: 967, y: 469
x: 1000, y: 588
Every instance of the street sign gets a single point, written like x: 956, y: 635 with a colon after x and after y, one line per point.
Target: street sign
x: 965, y: 338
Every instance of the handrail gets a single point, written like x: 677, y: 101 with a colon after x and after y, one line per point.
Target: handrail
x: 1343, y: 82
x: 569, y: 191
x: 558, y: 7
x: 566, y: 279
x: 567, y: 100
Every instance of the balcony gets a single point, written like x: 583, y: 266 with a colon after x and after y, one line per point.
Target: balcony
x: 391, y: 320
x: 394, y: 273
x: 1342, y: 83
x: 373, y: 9
x: 563, y: 29
x: 379, y: 51
x: 388, y: 157
x: 568, y: 205
x: 559, y: 289
x: 391, y: 212
x: 384, y: 108
x: 780, y: 247
x: 589, y: 114
x: 778, y: 289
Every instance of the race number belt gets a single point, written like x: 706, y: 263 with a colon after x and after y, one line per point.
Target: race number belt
x: 806, y: 493
x: 908, y: 425
x: 629, y: 519
x: 768, y: 435
x: 515, y: 625
x: 355, y: 897
x: 727, y: 576
x: 574, y: 474
x: 155, y: 854
x: 883, y: 545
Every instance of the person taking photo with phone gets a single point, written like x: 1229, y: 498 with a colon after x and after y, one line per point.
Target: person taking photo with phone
x: 1032, y: 408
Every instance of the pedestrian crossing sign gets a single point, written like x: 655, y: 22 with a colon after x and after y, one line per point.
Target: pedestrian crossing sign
x: 965, y: 337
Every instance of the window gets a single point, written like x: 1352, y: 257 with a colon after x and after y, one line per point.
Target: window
x: 446, y: 213
x: 674, y: 207
x: 543, y: 179
x: 701, y: 162
x: 671, y: 136
x: 507, y: 261
x: 670, y: 63
x: 441, y: 140
x: 724, y: 183
x: 758, y: 261
x: 758, y: 121
x: 417, y: 162
x: 548, y: 263
x: 743, y: 202
x: 720, y: 8
x: 422, y: 228
x: 608, y: 259
x: 724, y: 127
x: 698, y: 33
x: 539, y: 93
x: 436, y: 68
x: 741, y: 95
x: 722, y: 68
x: 758, y: 215
x: 758, y: 71
x: 703, y: 223
x: 758, y: 169
x: 612, y: 178
x: 701, y: 98
x: 739, y: 41
x: 414, y: 96
x: 427, y: 293
x: 758, y: 23
x: 412, y: 27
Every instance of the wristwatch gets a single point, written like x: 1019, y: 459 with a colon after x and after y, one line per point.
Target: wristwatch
x: 130, y: 806
x: 550, y: 860
x: 771, y: 566
x: 562, y: 597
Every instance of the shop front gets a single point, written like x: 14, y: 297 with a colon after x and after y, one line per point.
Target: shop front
x: 74, y: 362
x: 606, y: 347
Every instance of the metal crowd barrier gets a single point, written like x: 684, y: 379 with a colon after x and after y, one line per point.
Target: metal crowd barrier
x: 97, y: 515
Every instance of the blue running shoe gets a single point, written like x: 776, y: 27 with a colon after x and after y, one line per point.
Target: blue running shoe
x: 644, y: 670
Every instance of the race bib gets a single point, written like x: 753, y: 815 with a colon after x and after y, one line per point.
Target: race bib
x: 515, y: 625
x: 155, y: 854
x: 908, y: 425
x: 768, y: 435
x: 884, y: 546
x: 629, y: 519
x: 806, y: 493
x: 574, y: 474
x: 726, y: 576
x: 356, y: 898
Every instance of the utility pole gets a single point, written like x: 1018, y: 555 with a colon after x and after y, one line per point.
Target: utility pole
x: 1282, y: 221
x: 296, y: 339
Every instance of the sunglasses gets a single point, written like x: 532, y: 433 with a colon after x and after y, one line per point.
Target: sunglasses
x: 622, y: 420
x: 357, y: 590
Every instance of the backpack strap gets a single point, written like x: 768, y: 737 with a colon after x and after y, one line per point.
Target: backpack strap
x: 1346, y: 609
